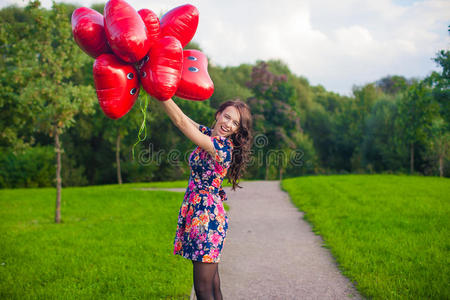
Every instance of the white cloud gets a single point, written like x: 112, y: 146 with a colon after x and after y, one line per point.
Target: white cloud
x: 333, y: 43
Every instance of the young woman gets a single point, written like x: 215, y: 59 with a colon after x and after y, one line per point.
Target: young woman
x: 223, y: 150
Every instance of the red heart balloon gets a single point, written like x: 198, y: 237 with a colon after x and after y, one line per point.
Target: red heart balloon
x: 116, y: 84
x: 151, y: 21
x: 180, y: 22
x: 195, y: 83
x: 88, y: 31
x: 161, y: 74
x: 125, y: 31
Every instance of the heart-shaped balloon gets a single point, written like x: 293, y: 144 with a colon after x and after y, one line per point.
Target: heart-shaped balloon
x: 181, y: 23
x: 161, y: 73
x: 88, y: 31
x: 151, y: 21
x: 195, y: 83
x: 116, y: 84
x: 125, y: 31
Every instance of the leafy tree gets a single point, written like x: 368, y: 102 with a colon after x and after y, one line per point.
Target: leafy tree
x: 416, y: 114
x: 346, y: 136
x: 393, y: 84
x: 365, y: 98
x: 439, y: 144
x: 319, y: 126
x: 16, y: 132
x: 381, y: 146
x: 439, y: 132
x: 46, y: 69
x: 440, y: 82
x: 229, y: 83
x: 275, y: 114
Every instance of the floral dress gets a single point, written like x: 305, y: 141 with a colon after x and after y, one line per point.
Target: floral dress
x: 202, y: 221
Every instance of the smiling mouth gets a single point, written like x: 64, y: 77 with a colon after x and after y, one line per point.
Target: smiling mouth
x: 224, y: 130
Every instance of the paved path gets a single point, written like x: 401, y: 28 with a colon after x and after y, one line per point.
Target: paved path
x: 271, y: 252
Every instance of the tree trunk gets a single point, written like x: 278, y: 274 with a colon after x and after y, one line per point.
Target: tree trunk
x: 412, y: 158
x: 281, y: 174
x: 119, y: 172
x: 441, y: 165
x: 58, y: 177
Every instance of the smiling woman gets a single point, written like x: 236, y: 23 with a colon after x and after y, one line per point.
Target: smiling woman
x: 222, y: 150
x: 227, y: 122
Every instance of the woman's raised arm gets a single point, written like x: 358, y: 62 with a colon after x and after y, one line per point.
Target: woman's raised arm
x: 187, y: 126
x: 193, y: 122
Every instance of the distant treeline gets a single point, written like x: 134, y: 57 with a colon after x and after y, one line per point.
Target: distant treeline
x: 48, y: 105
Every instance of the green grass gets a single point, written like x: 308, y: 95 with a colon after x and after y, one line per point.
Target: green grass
x: 115, y: 242
x: 389, y: 234
x: 157, y: 184
x: 162, y: 184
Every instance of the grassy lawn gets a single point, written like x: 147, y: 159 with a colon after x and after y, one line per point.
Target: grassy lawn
x: 157, y: 184
x: 389, y: 234
x: 114, y: 243
x: 163, y: 184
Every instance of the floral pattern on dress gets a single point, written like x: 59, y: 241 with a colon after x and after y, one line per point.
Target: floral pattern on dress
x: 202, y: 220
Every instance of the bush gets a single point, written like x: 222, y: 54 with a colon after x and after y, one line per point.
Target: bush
x: 34, y: 167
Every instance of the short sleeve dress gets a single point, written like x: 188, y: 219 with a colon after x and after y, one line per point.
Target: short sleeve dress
x: 202, y: 221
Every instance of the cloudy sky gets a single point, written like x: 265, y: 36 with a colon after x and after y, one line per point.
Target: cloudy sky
x: 337, y: 44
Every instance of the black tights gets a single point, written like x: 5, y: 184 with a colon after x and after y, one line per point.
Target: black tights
x: 207, y: 281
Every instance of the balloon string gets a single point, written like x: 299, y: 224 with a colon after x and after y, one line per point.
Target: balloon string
x: 143, y: 127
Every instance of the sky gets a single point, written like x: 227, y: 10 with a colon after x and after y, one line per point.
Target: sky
x: 336, y: 44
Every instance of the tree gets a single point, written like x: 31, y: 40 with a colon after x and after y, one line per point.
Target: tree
x: 416, y: 114
x: 229, y: 83
x: 46, y: 69
x: 393, y: 84
x: 16, y: 134
x: 381, y: 148
x: 440, y: 83
x: 276, y: 115
x: 439, y: 144
x: 440, y: 129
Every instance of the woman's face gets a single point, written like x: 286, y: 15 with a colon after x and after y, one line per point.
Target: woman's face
x: 227, y: 122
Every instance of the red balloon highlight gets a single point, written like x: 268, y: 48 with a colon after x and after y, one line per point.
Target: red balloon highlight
x: 161, y: 74
x: 181, y: 23
x: 125, y: 31
x: 88, y: 31
x: 151, y: 21
x: 116, y: 84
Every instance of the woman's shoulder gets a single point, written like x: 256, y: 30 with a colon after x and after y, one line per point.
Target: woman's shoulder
x: 224, y: 142
x: 204, y: 129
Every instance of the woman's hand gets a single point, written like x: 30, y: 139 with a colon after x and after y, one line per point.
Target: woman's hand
x: 187, y: 126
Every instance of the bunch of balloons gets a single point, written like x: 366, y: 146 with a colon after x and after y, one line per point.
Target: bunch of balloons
x: 134, y: 47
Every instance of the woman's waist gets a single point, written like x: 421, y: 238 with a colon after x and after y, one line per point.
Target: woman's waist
x: 213, y: 191
x: 205, y: 182
x: 204, y: 188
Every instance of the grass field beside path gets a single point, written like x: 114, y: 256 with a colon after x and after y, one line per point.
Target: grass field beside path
x: 389, y: 234
x: 115, y: 242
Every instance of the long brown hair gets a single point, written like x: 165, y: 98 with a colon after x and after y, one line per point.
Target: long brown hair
x: 241, y: 139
